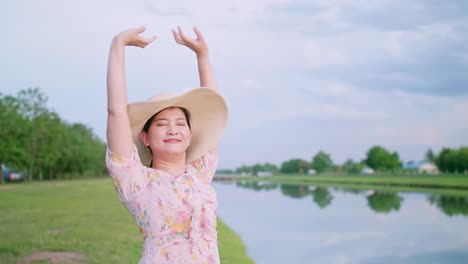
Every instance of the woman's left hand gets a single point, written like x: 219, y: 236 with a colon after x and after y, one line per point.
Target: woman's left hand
x: 199, y: 45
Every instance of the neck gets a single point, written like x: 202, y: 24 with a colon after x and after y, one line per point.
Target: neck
x: 174, y: 165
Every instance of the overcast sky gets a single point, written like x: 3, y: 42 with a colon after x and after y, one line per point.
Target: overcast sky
x: 299, y: 76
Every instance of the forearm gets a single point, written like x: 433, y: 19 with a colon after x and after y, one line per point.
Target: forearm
x: 116, y: 83
x: 119, y: 137
x: 207, y: 79
x: 206, y: 73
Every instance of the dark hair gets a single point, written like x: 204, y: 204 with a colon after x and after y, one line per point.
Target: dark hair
x: 185, y: 111
x: 150, y: 120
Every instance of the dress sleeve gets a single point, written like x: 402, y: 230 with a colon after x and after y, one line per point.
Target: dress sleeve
x: 128, y: 174
x: 205, y: 166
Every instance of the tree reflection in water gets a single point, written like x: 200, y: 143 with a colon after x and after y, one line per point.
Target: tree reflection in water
x: 295, y: 191
x: 378, y: 201
x: 322, y: 197
x: 257, y: 185
x: 450, y: 205
x: 384, y: 202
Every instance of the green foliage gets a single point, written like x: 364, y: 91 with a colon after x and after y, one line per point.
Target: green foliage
x: 380, y: 159
x: 450, y: 205
x: 352, y: 167
x: 295, y: 166
x: 430, y: 156
x: 256, y: 168
x: 384, y: 202
x: 36, y: 140
x: 321, y: 162
x: 453, y: 160
x: 322, y: 197
x: 295, y: 191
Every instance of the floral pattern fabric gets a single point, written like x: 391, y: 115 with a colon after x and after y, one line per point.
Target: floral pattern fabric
x: 175, y: 214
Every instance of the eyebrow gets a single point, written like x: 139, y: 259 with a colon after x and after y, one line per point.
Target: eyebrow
x: 165, y: 119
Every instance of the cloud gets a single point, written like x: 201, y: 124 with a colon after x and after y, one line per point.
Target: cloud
x: 299, y: 76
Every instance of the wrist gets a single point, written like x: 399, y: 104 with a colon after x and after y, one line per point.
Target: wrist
x: 117, y: 41
x: 203, y: 56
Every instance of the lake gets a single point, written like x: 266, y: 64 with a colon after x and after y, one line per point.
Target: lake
x: 308, y: 224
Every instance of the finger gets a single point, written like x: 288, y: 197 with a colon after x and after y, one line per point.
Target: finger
x: 153, y: 38
x: 148, y: 41
x: 187, y: 40
x: 139, y: 30
x: 177, y: 37
x: 182, y: 35
x: 198, y: 33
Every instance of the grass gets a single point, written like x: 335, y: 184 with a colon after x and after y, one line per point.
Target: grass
x: 80, y: 216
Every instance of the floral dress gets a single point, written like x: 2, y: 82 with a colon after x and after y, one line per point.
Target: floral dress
x: 175, y: 214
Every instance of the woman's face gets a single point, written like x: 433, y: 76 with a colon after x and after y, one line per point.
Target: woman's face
x: 169, y: 133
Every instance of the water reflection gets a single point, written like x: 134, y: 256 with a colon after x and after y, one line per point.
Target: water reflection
x: 295, y: 191
x: 450, y: 205
x: 322, y: 197
x: 257, y: 185
x: 384, y: 202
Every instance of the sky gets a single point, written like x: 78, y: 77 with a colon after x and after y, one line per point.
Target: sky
x: 298, y: 76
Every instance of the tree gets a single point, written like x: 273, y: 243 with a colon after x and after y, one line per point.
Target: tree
x: 352, y: 167
x: 258, y: 167
x: 380, y: 159
x: 430, y: 156
x: 13, y: 132
x: 35, y: 139
x: 295, y: 166
x: 453, y: 160
x: 321, y: 162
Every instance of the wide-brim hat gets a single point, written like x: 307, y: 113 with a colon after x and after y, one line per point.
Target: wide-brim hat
x: 208, y: 118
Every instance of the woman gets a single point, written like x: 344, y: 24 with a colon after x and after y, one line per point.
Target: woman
x: 162, y: 155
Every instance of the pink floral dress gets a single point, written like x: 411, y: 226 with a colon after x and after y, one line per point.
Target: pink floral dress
x: 175, y: 214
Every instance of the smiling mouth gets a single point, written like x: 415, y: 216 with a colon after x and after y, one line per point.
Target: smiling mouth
x: 172, y: 141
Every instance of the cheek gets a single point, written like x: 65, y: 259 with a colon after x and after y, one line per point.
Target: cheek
x: 155, y: 133
x: 188, y: 134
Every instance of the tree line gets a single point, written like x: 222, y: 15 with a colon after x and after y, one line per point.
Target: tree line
x: 36, y: 141
x: 377, y: 158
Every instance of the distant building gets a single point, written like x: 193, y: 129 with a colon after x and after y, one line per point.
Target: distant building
x: 264, y: 173
x: 429, y: 168
x: 367, y: 171
x: 311, y: 172
x: 423, y: 166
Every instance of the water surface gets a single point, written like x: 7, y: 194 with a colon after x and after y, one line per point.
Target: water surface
x: 309, y: 224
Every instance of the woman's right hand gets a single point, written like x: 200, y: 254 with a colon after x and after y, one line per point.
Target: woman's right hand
x: 131, y: 37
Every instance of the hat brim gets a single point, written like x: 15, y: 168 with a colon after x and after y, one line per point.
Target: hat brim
x: 208, y: 118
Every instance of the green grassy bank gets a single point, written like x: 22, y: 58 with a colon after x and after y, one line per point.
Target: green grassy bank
x: 84, y: 217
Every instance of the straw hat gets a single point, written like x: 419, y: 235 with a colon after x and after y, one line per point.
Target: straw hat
x: 208, y: 118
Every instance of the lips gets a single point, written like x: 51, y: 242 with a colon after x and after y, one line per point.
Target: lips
x: 172, y: 140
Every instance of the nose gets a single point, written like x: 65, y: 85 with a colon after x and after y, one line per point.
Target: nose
x: 171, y: 131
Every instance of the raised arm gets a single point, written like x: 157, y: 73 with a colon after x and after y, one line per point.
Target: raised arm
x: 200, y: 47
x: 119, y: 137
x: 205, y: 70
